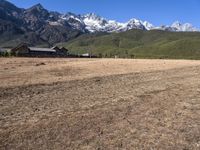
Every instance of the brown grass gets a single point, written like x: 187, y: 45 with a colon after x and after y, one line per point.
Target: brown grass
x: 27, y: 71
x: 99, y: 104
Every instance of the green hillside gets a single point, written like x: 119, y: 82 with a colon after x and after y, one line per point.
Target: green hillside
x: 139, y: 44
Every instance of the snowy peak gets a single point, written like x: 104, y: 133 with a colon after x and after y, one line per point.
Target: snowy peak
x: 135, y: 24
x: 176, y: 24
x: 93, y: 16
x: 183, y: 27
x: 94, y: 22
x: 148, y: 25
x: 37, y: 7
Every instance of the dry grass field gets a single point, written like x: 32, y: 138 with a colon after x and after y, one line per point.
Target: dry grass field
x: 99, y: 104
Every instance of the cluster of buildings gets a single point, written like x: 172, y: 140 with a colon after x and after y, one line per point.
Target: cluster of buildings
x: 23, y: 50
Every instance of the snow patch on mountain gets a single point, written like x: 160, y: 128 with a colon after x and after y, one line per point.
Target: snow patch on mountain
x: 54, y: 23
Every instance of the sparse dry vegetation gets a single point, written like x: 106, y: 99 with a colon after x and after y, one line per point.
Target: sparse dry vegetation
x: 99, y: 104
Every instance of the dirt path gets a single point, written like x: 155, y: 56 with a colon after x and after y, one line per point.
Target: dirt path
x: 154, y: 109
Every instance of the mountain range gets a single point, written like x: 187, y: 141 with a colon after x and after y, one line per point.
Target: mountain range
x: 95, y: 23
x: 38, y: 26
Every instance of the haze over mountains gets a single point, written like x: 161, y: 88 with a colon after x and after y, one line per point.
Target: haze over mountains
x: 38, y: 26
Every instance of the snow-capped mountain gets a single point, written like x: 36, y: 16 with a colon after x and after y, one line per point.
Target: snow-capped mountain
x: 183, y: 27
x: 38, y: 25
x: 95, y: 23
x: 178, y: 27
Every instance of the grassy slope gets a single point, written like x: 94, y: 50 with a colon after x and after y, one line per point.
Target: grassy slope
x: 139, y: 44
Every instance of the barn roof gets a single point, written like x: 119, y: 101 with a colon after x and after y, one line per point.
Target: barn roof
x: 42, y: 49
x: 55, y: 47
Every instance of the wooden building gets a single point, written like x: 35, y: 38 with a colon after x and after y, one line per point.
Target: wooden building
x: 26, y: 51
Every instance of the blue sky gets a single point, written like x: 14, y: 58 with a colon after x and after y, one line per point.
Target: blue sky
x: 158, y: 12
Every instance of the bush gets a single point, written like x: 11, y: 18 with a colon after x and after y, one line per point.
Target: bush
x: 6, y: 54
x: 13, y: 53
